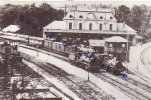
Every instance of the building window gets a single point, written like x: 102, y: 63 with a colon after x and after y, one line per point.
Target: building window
x: 70, y: 25
x: 80, y: 16
x: 111, y: 27
x: 123, y: 45
x: 70, y: 16
x: 100, y: 26
x: 110, y: 45
x: 90, y: 26
x: 111, y: 17
x: 80, y: 26
x: 101, y: 17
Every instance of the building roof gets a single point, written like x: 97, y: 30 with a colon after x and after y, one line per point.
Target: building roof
x: 115, y: 39
x: 138, y: 37
x: 56, y: 25
x: 89, y: 8
x: 90, y: 15
x: 11, y: 28
x: 124, y: 27
x: 60, y: 26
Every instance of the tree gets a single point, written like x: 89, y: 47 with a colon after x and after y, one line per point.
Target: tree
x: 138, y: 16
x: 30, y: 18
x: 123, y: 14
x: 8, y: 15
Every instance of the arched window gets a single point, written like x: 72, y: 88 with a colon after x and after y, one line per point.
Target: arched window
x: 80, y: 16
x: 101, y: 17
x: 70, y: 16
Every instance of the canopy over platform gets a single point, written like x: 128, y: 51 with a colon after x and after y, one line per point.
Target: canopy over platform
x: 11, y: 28
x: 96, y: 43
x: 116, y: 39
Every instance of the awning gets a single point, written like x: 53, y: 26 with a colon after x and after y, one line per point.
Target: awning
x: 116, y: 39
x: 96, y: 43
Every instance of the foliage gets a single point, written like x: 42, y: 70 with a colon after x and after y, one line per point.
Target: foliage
x: 138, y: 17
x: 35, y: 18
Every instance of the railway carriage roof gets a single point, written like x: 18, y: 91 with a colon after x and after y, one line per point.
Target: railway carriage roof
x: 12, y: 38
x: 36, y: 38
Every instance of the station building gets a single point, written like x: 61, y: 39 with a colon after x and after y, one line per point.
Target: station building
x: 92, y: 27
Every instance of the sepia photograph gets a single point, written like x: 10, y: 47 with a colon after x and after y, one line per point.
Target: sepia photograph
x: 75, y: 50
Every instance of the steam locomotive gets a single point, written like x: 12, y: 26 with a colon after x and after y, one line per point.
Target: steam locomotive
x: 97, y: 63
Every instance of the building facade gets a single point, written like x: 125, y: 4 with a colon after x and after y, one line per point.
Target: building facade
x: 81, y: 25
x: 98, y: 24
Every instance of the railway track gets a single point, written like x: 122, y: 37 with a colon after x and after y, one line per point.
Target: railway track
x: 64, y: 57
x: 26, y: 71
x: 131, y: 81
x: 134, y: 82
x: 83, y: 90
x: 126, y: 88
x: 139, y: 84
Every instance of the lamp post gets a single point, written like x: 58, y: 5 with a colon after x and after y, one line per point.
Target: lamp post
x: 127, y: 44
x: 88, y: 75
x: 88, y: 69
x: 37, y: 51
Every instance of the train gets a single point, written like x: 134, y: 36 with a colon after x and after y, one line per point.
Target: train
x: 87, y: 58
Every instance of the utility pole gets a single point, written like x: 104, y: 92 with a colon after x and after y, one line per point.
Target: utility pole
x: 127, y: 44
x: 88, y: 72
x: 142, y: 31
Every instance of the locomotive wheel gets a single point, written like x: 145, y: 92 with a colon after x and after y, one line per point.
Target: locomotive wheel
x: 108, y: 69
x: 117, y: 72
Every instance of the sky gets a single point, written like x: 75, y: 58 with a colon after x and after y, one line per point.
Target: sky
x: 61, y: 3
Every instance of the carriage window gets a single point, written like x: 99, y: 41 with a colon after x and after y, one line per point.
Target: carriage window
x: 59, y: 47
